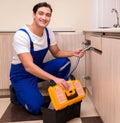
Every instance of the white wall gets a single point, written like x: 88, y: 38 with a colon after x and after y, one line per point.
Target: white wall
x: 66, y: 13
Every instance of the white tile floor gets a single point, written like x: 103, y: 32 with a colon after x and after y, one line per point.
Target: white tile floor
x: 87, y: 110
x: 4, y: 103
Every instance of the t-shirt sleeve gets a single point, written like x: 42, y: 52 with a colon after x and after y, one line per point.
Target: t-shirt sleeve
x: 21, y: 43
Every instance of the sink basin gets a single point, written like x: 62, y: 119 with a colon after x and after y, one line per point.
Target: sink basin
x: 109, y: 29
x: 104, y: 29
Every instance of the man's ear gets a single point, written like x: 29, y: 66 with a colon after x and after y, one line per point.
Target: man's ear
x: 33, y: 15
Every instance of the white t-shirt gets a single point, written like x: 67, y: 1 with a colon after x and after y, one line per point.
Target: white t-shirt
x: 21, y: 42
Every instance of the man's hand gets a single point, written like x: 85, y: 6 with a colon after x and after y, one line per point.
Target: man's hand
x: 79, y: 53
x: 62, y: 83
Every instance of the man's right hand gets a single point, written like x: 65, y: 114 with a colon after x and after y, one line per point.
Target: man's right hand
x: 63, y: 83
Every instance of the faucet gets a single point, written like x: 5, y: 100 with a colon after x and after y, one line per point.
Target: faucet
x: 117, y: 15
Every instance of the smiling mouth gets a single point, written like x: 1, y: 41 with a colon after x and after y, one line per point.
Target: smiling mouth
x: 43, y: 22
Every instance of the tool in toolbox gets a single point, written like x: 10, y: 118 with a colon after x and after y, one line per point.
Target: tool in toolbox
x: 62, y: 98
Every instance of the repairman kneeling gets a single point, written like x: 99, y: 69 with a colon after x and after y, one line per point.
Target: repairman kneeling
x: 30, y: 44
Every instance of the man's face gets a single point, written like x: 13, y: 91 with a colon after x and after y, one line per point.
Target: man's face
x: 42, y: 16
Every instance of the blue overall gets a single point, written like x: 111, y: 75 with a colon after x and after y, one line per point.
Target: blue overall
x: 25, y: 84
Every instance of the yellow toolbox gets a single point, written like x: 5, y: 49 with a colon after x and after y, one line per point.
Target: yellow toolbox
x: 62, y: 98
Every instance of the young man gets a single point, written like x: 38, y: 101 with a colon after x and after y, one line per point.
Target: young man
x: 30, y: 45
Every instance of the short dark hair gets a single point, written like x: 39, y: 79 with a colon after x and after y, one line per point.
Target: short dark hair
x: 42, y: 4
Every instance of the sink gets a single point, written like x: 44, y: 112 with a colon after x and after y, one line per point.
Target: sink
x: 109, y: 29
x: 104, y: 29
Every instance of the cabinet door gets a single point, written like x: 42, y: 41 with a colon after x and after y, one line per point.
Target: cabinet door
x: 88, y: 72
x: 91, y: 62
x: 5, y: 59
x: 101, y: 74
x: 106, y: 82
x: 96, y: 77
x: 116, y: 78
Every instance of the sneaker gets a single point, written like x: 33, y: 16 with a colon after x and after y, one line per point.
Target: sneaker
x: 12, y: 95
x: 52, y: 83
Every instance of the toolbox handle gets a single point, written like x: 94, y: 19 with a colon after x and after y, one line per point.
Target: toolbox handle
x: 72, y: 96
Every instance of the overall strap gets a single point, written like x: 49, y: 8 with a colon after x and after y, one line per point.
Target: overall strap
x: 48, y: 38
x: 31, y: 43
